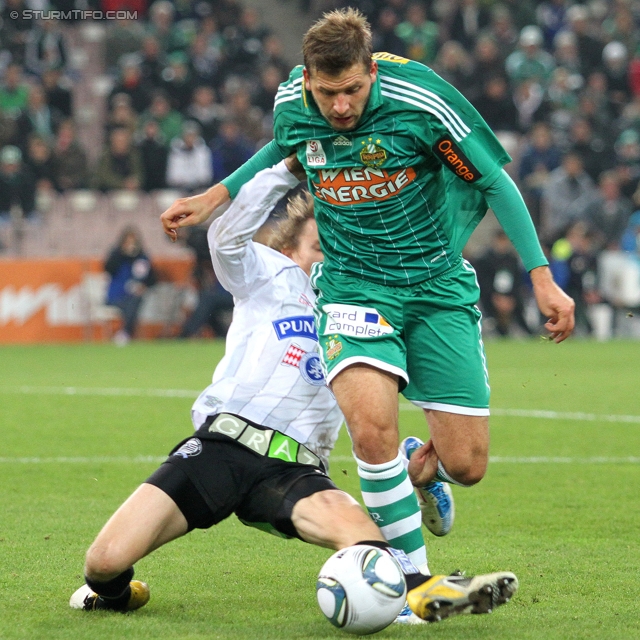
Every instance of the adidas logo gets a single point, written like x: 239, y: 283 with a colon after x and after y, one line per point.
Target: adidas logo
x: 341, y: 141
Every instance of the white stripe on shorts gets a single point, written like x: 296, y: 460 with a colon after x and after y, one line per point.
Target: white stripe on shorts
x: 451, y: 408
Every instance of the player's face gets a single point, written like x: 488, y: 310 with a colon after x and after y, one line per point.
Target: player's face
x: 342, y: 98
x: 308, y: 250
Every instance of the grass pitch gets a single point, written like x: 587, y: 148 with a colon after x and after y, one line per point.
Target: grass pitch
x: 83, y: 425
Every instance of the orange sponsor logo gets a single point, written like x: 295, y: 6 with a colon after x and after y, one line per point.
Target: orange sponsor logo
x: 457, y: 160
x: 360, y: 184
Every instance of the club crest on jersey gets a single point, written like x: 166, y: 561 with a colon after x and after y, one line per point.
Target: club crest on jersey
x: 301, y: 326
x: 315, y: 154
x: 191, y: 448
x: 372, y: 154
x: 311, y: 369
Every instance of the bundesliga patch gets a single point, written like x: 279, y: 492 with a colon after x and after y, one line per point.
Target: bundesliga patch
x: 315, y: 154
x: 293, y: 355
x: 350, y: 320
x: 311, y: 369
x: 455, y: 159
x: 302, y: 326
x: 372, y: 154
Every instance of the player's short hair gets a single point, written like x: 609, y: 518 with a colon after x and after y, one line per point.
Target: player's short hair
x: 337, y: 41
x: 285, y: 235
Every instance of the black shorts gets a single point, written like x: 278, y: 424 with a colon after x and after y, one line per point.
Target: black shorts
x: 214, y: 477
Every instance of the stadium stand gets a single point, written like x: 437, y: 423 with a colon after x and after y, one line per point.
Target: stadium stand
x: 558, y: 81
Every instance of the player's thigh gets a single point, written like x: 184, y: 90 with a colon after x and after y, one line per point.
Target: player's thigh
x: 445, y: 355
x: 148, y: 519
x: 358, y: 322
x: 281, y: 485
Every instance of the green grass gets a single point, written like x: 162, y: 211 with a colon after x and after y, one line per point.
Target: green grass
x: 568, y: 529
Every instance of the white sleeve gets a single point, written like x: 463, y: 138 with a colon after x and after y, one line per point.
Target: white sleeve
x: 237, y: 265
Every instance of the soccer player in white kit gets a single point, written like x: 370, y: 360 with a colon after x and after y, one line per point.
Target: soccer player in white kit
x: 264, y: 427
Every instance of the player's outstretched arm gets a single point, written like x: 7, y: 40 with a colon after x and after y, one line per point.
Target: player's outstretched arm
x: 188, y: 212
x: 553, y: 303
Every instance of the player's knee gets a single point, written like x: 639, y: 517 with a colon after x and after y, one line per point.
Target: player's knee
x: 467, y: 472
x: 375, y: 443
x: 102, y: 562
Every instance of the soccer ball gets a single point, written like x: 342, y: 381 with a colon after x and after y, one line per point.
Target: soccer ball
x: 361, y: 589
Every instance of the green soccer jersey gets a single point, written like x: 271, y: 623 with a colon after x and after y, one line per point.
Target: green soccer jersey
x: 397, y: 197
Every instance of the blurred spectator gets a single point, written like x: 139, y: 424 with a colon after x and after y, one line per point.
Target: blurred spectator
x: 530, y: 100
x: 206, y: 111
x: 151, y: 62
x: 189, y: 165
x: 616, y: 70
x: 552, y: 17
x: 131, y: 274
x: 565, y: 196
x: 488, y: 63
x: 630, y: 241
x: 205, y: 61
x: 521, y: 12
x: 502, y: 30
x: 540, y: 157
x: 177, y: 81
x: 124, y: 37
x: 169, y: 120
x: 46, y: 47
x: 270, y: 80
x: 122, y: 114
x: 247, y: 117
x: 162, y: 27
x: 419, y: 34
x: 244, y: 43
x: 132, y: 83
x: 454, y: 65
x: 14, y: 92
x: 530, y: 61
x: 574, y: 265
x: 609, y: 212
x: 214, y: 303
x: 153, y: 154
x: 496, y: 105
x: 40, y: 162
x: 38, y: 117
x: 15, y: 31
x: 596, y: 155
x: 469, y: 18
x: 627, y: 160
x: 69, y: 159
x: 621, y: 27
x: 595, y: 105
x: 500, y: 280
x: 120, y: 166
x: 230, y: 150
x: 57, y: 90
x: 589, y: 47
x: 272, y: 54
x: 385, y: 37
x: 17, y: 185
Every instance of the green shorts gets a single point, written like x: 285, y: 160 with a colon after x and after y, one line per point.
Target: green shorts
x: 428, y: 334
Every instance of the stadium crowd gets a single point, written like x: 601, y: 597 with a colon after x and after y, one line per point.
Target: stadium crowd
x: 193, y: 85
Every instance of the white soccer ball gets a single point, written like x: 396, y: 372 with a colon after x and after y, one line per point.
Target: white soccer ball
x: 361, y: 589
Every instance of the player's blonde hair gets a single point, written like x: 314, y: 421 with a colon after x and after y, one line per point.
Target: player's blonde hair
x: 285, y: 235
x: 337, y: 41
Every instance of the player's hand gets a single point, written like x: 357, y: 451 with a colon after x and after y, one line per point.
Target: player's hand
x: 423, y: 465
x: 293, y: 164
x: 188, y: 212
x: 553, y: 303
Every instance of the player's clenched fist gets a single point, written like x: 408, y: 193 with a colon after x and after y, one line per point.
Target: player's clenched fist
x: 188, y: 212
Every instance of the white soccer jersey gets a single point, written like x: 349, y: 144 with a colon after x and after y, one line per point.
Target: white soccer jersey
x: 271, y: 372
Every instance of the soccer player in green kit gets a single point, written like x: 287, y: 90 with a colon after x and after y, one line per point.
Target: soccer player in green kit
x: 402, y: 168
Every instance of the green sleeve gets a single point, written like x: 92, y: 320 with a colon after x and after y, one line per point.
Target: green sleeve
x: 512, y: 214
x: 269, y: 155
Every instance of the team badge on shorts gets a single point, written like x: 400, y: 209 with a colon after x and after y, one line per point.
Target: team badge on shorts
x: 334, y: 347
x: 190, y: 449
x: 311, y: 369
